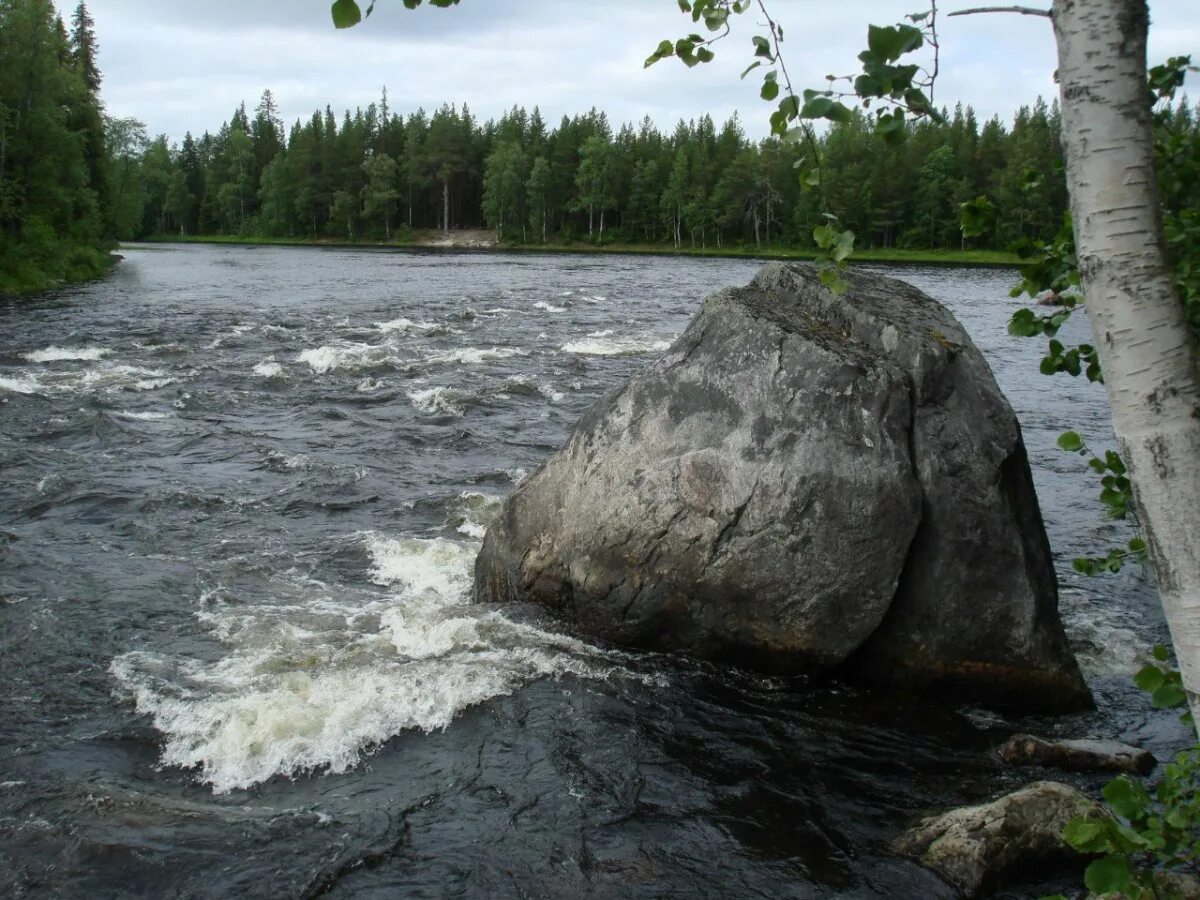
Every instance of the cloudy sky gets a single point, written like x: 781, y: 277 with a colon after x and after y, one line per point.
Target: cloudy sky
x: 181, y: 65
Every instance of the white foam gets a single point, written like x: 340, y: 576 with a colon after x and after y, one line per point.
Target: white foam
x: 403, y: 324
x: 477, y: 510
x: 235, y: 332
x: 395, y: 325
x: 346, y: 355
x: 108, y: 378
x: 293, y: 461
x: 474, y: 356
x: 549, y: 307
x: 438, y: 400
x: 22, y: 385
x: 143, y: 416
x: 268, y: 368
x: 56, y: 354
x: 601, y: 343
x: 319, y: 679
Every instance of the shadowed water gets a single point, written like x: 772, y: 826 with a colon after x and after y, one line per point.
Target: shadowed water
x: 241, y: 491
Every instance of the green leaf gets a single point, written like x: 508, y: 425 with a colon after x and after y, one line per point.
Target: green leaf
x: 1070, y: 441
x: 1108, y: 875
x: 1082, y: 834
x: 346, y: 13
x: 1149, y: 678
x: 890, y: 43
x: 1160, y: 653
x: 1127, y: 797
x: 662, y: 51
x: 1168, y: 696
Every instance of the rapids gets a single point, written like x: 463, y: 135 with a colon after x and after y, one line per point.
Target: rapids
x: 242, y: 491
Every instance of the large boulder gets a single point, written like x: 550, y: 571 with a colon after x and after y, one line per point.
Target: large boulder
x: 802, y: 482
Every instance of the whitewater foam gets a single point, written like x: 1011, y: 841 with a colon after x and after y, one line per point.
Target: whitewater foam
x: 269, y: 368
x: 57, y: 354
x: 143, y: 416
x: 107, y: 378
x: 437, y: 401
x: 316, y: 681
x: 474, y: 356
x: 346, y: 355
x: 601, y: 343
x: 549, y: 307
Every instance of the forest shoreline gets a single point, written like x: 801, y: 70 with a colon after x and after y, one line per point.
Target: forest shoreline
x: 81, y: 265
x: 469, y: 241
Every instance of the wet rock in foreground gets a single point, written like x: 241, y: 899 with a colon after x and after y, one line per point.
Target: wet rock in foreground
x: 977, y: 848
x: 1076, y: 755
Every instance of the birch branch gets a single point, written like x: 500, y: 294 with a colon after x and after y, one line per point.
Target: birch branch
x: 1021, y: 10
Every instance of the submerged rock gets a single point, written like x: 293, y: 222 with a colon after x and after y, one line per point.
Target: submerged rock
x: 801, y: 482
x: 976, y: 847
x: 1076, y: 755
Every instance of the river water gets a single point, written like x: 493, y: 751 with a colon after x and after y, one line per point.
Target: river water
x: 241, y: 492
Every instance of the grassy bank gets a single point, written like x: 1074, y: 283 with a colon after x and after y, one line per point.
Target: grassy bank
x: 23, y: 271
x: 436, y: 241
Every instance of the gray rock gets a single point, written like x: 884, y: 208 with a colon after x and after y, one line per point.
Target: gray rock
x: 1076, y: 755
x: 977, y: 847
x: 801, y: 482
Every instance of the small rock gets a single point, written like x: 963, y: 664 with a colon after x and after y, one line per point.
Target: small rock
x: 1077, y: 755
x: 1049, y: 298
x: 976, y: 847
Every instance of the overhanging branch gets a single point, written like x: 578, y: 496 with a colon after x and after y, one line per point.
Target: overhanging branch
x: 1020, y: 10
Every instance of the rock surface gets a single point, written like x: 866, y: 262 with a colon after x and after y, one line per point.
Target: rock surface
x: 1076, y: 755
x: 976, y: 847
x: 801, y: 482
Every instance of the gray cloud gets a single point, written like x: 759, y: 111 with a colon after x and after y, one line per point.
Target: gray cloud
x: 180, y: 65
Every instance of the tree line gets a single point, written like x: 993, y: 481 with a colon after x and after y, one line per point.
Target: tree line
x: 55, y: 189
x: 73, y: 181
x: 376, y: 174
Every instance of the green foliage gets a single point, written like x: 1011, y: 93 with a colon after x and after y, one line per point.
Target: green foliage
x: 1150, y: 838
x: 1146, y: 839
x: 1177, y: 149
x: 1164, y: 683
x: 347, y: 13
x: 1116, y: 496
x: 1052, y: 266
x: 836, y: 246
x: 56, y: 204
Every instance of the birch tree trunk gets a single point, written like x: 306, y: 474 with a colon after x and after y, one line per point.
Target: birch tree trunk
x: 1137, y: 318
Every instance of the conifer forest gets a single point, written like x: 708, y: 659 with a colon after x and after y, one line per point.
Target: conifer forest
x: 74, y: 180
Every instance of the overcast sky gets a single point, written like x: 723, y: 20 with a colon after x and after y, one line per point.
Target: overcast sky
x: 181, y: 65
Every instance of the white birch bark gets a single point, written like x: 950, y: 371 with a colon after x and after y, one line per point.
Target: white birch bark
x: 1137, y: 318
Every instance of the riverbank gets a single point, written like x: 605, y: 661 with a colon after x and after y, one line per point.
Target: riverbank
x: 67, y: 264
x: 485, y: 241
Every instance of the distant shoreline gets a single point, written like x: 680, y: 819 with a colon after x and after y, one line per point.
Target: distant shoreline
x: 471, y: 241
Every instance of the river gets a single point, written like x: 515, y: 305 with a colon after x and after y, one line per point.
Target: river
x: 241, y: 492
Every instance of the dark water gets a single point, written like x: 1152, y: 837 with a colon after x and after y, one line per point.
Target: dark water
x: 240, y: 495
